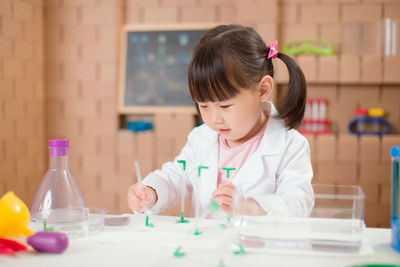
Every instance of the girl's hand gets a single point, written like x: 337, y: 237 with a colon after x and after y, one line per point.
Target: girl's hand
x: 223, y: 195
x: 141, y: 197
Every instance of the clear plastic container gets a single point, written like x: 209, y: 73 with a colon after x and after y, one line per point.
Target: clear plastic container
x: 335, y: 225
x: 58, y: 202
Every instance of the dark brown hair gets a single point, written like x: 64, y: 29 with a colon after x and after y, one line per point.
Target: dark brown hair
x: 230, y: 57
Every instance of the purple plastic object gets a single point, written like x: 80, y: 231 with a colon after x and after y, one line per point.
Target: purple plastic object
x: 59, y: 147
x: 52, y: 242
x: 59, y: 143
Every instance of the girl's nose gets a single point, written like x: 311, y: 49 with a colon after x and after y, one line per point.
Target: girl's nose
x: 217, y: 118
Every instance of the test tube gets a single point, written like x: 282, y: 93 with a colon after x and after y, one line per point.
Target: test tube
x: 139, y: 177
x: 361, y: 115
x: 322, y: 115
x: 197, y: 199
x: 182, y: 219
x: 395, y: 199
x: 376, y: 115
x: 315, y: 113
x: 307, y: 116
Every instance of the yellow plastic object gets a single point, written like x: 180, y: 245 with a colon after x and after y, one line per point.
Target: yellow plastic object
x: 376, y: 112
x: 14, y: 216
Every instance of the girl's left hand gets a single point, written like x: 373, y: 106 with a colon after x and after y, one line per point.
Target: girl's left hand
x: 223, y: 195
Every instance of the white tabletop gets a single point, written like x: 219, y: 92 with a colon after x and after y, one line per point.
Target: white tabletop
x: 137, y: 245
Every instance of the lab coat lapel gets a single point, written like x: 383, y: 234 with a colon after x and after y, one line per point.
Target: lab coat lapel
x: 273, y: 143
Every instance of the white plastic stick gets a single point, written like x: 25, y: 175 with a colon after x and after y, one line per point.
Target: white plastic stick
x: 183, y: 196
x: 138, y: 175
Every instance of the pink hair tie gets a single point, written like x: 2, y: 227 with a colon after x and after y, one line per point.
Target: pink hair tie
x: 272, y: 49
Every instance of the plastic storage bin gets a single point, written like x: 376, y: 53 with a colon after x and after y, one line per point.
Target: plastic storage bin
x: 335, y: 225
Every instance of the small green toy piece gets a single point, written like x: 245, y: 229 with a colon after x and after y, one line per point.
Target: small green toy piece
x: 221, y: 263
x: 317, y: 47
x: 227, y: 171
x: 178, y: 253
x: 183, y: 162
x: 147, y: 222
x: 213, y: 206
x: 47, y: 229
x: 241, y: 250
x: 182, y: 219
x: 197, y: 232
x: 199, y: 170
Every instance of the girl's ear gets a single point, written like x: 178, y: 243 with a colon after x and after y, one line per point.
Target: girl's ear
x: 266, y: 85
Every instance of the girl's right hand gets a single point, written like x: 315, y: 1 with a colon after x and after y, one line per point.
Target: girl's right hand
x: 141, y: 197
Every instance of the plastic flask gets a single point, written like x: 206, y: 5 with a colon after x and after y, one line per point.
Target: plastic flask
x: 395, y: 199
x: 58, y: 200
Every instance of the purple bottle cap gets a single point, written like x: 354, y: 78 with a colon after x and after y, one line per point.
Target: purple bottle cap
x: 59, y: 143
x: 59, y: 147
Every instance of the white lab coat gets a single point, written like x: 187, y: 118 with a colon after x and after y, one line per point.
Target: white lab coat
x: 277, y: 175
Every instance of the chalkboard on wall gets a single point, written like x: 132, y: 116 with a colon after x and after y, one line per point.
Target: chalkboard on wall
x: 154, y: 65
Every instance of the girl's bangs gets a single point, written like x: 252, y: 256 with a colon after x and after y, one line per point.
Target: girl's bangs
x: 211, y: 80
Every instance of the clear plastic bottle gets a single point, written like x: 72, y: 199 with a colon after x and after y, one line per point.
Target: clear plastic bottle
x: 58, y: 199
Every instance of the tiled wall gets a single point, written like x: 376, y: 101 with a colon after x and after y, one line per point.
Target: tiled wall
x: 23, y: 154
x: 80, y: 48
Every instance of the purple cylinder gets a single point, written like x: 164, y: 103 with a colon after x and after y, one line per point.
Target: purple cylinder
x: 59, y: 147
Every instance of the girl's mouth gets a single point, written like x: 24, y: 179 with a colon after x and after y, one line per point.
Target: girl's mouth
x: 223, y: 131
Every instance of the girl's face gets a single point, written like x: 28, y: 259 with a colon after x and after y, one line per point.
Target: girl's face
x: 237, y: 119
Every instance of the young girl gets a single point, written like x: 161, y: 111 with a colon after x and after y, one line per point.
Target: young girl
x: 245, y: 141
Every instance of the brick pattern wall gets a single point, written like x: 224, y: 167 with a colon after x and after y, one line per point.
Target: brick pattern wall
x: 82, y: 41
x: 23, y: 152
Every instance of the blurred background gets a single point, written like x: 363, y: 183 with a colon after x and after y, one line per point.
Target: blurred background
x: 60, y: 69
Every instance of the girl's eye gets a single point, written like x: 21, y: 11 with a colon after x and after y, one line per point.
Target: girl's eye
x: 203, y: 106
x: 225, y: 106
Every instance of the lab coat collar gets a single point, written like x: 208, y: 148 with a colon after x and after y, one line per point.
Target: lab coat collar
x: 273, y: 141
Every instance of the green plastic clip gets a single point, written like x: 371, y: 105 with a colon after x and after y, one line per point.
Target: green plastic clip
x: 221, y: 263
x: 227, y: 171
x: 214, y: 206
x: 182, y: 219
x: 199, y: 170
x: 178, y: 253
x: 47, y: 229
x: 147, y: 222
x: 240, y: 251
x: 183, y: 162
x: 197, y: 232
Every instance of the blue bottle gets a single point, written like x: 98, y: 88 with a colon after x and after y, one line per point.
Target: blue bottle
x: 395, y: 199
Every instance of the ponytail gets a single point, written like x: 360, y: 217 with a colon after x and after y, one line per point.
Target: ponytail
x: 291, y: 107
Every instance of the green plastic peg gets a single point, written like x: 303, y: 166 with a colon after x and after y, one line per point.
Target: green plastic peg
x: 200, y: 168
x: 147, y: 222
x: 183, y: 162
x: 47, y: 229
x: 178, y: 253
x: 227, y: 171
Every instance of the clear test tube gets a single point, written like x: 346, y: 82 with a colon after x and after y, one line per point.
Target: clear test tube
x: 395, y: 199
x: 307, y: 116
x: 361, y: 114
x: 315, y: 112
x: 376, y: 114
x: 322, y: 115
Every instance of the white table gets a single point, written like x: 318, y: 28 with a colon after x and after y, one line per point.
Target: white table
x: 137, y: 245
